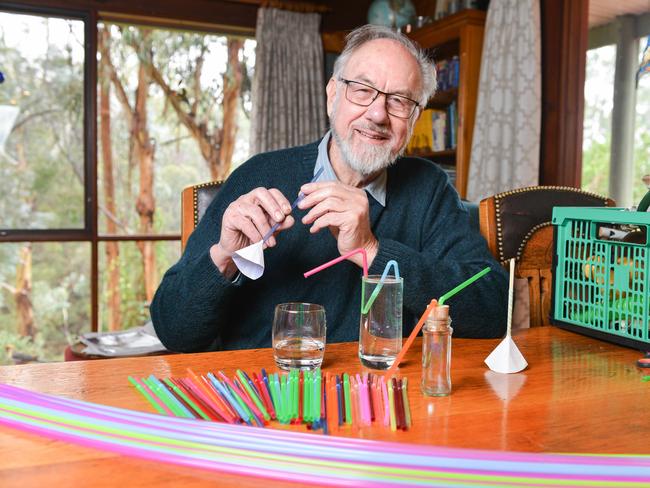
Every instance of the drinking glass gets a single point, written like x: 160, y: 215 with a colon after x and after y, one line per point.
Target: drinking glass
x: 298, y: 335
x: 380, y: 329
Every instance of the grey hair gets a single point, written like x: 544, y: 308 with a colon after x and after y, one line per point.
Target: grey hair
x: 359, y: 36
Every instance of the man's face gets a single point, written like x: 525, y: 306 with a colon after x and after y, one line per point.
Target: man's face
x: 369, y: 139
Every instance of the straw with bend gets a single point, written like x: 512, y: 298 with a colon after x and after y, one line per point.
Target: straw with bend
x: 365, y: 308
x: 426, y: 313
x: 295, y: 203
x: 338, y: 260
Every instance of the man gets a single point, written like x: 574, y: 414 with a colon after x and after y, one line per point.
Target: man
x: 366, y: 197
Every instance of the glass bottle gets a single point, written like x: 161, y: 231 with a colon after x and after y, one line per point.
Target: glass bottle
x: 436, y: 353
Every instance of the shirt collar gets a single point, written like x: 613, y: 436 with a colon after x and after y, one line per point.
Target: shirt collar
x: 376, y: 188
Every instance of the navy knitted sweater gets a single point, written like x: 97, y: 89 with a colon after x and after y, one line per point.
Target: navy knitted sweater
x: 423, y: 226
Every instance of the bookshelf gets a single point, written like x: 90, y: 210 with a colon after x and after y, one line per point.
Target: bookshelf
x: 458, y: 35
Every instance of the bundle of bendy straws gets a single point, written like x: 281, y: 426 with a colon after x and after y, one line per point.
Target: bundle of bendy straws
x: 301, y: 458
x: 319, y: 400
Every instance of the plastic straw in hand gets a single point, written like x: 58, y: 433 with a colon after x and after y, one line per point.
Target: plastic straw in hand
x: 338, y: 260
x: 301, y: 195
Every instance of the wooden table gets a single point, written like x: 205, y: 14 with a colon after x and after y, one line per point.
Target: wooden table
x: 577, y: 395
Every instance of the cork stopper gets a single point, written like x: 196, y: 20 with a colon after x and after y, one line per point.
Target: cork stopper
x: 439, y: 318
x: 441, y: 312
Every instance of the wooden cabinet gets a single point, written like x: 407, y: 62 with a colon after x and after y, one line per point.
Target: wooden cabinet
x: 458, y: 35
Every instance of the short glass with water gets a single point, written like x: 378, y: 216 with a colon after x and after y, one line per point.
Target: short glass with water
x: 298, y: 335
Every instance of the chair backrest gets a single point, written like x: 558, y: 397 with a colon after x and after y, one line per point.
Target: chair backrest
x: 195, y: 200
x: 517, y: 224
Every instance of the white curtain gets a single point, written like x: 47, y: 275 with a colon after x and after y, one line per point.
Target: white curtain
x: 505, y: 145
x: 288, y: 85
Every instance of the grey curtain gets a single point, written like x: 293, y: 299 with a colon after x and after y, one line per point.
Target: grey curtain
x: 288, y: 85
x: 505, y: 146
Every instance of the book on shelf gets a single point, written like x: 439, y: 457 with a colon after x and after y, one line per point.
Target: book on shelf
x: 448, y: 73
x: 422, y: 138
x: 452, y: 124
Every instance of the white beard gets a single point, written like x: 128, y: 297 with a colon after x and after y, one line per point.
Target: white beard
x: 367, y: 159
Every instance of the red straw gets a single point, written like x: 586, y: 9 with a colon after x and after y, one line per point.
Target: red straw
x: 409, y: 341
x: 338, y: 260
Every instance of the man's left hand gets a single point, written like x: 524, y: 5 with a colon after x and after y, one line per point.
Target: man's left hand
x: 345, y: 211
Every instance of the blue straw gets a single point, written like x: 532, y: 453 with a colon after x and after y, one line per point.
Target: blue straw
x: 295, y: 203
x: 375, y: 293
x: 225, y: 392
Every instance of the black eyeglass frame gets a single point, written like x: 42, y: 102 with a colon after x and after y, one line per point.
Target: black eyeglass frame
x: 378, y: 92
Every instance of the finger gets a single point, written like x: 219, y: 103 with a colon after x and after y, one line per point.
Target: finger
x: 273, y: 202
x: 256, y: 215
x: 286, y: 224
x: 281, y: 200
x: 331, y: 219
x: 247, y: 228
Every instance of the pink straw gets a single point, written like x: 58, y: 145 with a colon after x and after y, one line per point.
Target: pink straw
x: 338, y: 260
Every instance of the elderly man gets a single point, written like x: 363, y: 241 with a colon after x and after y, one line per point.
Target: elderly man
x: 367, y: 196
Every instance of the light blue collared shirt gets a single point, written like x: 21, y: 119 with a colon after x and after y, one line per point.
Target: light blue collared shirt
x: 376, y: 188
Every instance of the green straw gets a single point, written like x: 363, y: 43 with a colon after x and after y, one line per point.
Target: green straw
x: 295, y: 392
x: 146, y: 394
x: 346, y: 394
x: 306, y: 396
x: 315, y: 406
x: 189, y: 401
x: 157, y: 389
x: 463, y: 285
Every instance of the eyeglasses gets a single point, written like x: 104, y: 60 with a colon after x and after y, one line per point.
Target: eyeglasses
x: 362, y: 94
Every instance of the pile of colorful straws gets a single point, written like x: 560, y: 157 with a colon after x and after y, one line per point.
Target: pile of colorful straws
x: 319, y: 400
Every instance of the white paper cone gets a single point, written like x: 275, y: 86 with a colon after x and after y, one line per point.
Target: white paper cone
x: 506, y: 357
x: 250, y: 260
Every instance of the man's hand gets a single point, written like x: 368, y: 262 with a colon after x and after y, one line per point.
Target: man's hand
x: 345, y: 211
x: 247, y: 220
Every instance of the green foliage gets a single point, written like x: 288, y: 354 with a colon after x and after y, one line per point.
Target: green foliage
x: 42, y: 164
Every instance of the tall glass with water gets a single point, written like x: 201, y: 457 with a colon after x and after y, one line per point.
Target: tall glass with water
x: 380, y: 328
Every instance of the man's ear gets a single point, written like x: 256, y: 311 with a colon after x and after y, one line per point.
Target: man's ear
x: 330, y: 89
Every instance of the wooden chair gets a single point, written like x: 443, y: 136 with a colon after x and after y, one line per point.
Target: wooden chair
x: 517, y: 224
x: 195, y: 200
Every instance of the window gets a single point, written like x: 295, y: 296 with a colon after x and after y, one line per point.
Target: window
x: 85, y: 236
x: 597, y: 132
x: 599, y: 99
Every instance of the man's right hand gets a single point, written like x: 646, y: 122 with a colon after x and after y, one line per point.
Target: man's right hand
x: 247, y: 220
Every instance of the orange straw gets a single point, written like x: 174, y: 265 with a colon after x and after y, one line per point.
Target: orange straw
x: 338, y: 260
x: 409, y: 341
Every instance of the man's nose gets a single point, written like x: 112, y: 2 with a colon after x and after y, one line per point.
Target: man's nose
x: 376, y: 111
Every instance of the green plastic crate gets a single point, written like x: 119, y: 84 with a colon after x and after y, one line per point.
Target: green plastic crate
x: 601, y: 285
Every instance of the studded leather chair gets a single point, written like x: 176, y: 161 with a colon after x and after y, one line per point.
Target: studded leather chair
x: 194, y: 202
